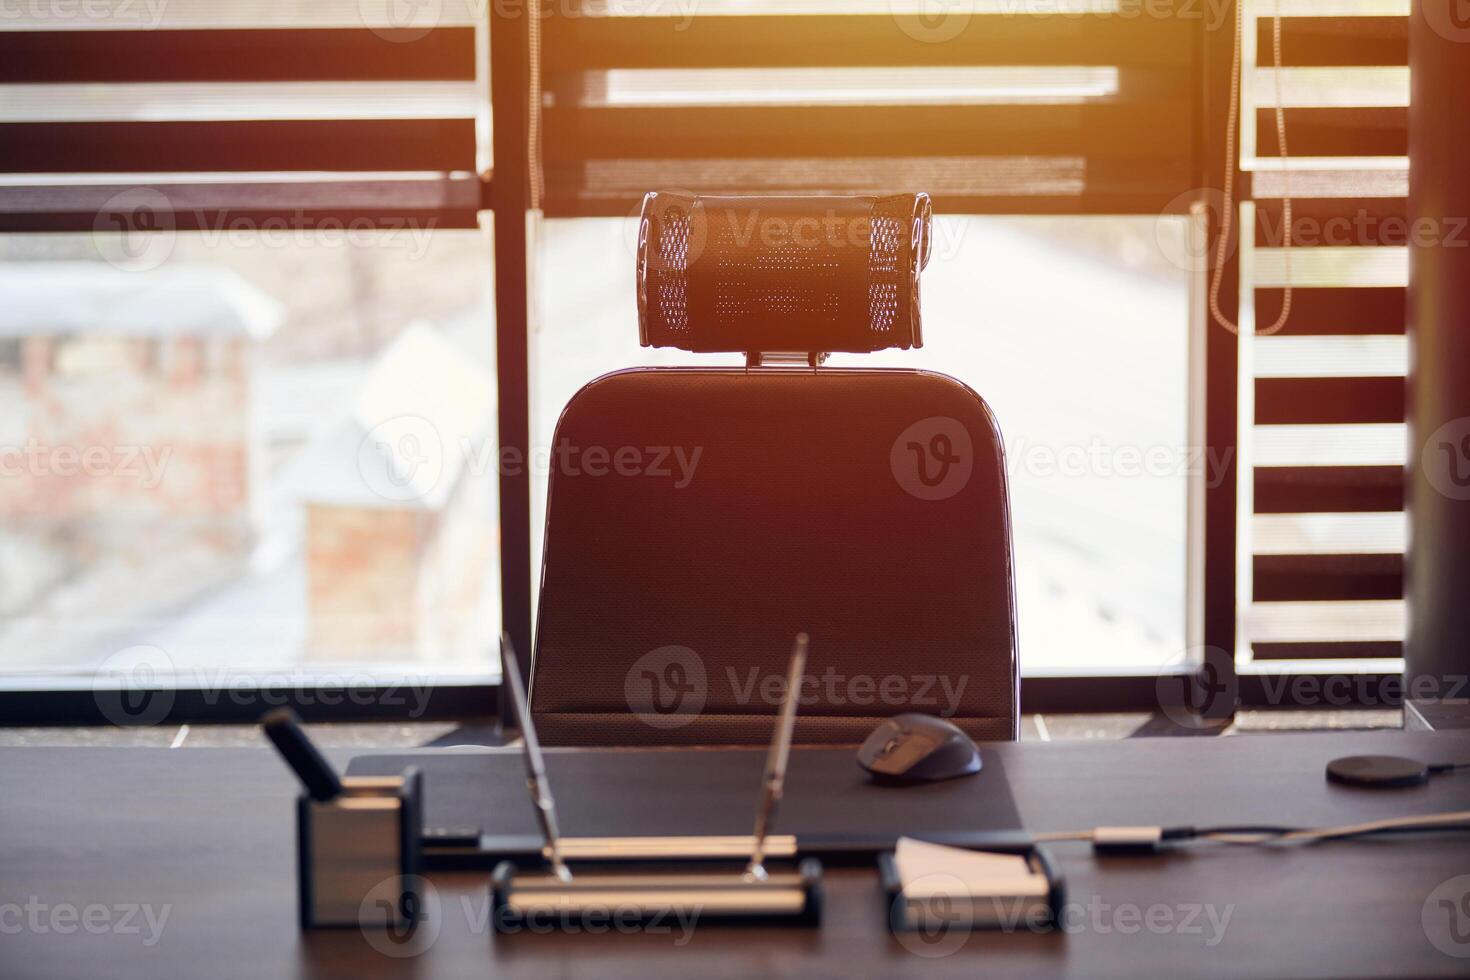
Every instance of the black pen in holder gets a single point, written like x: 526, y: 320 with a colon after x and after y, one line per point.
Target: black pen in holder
x: 357, y: 838
x: 358, y: 853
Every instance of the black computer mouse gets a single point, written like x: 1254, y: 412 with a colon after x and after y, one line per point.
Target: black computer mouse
x: 918, y: 748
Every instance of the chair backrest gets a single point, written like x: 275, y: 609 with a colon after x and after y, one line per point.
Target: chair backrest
x: 698, y: 518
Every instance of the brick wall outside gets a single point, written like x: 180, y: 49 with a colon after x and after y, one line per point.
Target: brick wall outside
x: 362, y: 569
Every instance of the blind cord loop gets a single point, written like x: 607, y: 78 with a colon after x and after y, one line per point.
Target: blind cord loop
x: 1228, y: 207
x: 533, y: 108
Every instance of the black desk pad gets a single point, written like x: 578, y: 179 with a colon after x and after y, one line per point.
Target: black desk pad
x: 630, y: 793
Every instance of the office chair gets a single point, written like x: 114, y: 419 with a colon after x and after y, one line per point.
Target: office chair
x: 866, y: 507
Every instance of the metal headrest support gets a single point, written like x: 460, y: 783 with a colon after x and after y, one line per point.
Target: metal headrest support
x: 753, y: 274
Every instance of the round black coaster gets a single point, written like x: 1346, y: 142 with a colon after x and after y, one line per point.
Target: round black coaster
x: 1381, y: 771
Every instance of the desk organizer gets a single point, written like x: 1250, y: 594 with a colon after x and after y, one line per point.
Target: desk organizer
x: 358, y: 854
x: 988, y: 911
x: 654, y: 893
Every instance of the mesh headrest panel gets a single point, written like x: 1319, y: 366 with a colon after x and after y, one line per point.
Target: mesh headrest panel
x: 781, y: 273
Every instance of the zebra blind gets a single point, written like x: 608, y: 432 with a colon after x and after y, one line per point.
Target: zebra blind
x: 1323, y: 531
x: 1072, y: 106
x: 249, y: 105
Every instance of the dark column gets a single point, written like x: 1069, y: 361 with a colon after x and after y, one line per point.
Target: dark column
x: 1215, y: 693
x: 510, y: 200
x: 1438, y: 474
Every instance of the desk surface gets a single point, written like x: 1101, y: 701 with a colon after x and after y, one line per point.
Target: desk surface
x: 94, y: 841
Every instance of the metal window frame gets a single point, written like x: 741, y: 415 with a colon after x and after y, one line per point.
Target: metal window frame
x: 1137, y: 693
x: 462, y: 201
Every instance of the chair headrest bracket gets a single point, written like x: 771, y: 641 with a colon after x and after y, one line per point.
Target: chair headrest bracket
x: 785, y: 358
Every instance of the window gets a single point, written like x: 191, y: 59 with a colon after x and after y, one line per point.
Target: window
x: 214, y: 458
x: 170, y: 185
x: 248, y: 388
x: 1065, y: 112
x: 1321, y: 403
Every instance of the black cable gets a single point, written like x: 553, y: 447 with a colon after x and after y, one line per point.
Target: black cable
x: 1234, y: 829
x: 1192, y: 833
x: 1405, y: 830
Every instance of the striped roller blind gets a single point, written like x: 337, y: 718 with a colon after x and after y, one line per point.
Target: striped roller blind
x: 247, y: 105
x: 1323, y: 531
x: 1062, y: 106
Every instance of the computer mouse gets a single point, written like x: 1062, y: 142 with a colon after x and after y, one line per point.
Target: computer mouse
x: 918, y: 748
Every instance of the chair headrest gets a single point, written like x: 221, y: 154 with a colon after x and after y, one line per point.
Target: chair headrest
x: 818, y: 274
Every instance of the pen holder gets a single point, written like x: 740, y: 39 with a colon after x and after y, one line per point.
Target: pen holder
x: 358, y: 854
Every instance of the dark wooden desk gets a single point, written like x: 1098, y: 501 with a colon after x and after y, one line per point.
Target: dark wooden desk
x: 205, y: 837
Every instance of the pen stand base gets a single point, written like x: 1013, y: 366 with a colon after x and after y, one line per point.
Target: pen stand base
x: 540, y: 901
x: 358, y: 855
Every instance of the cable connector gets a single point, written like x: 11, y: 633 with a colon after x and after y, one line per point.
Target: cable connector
x: 1127, y: 840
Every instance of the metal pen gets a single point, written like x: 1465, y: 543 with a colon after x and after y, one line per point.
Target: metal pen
x: 780, y: 751
x: 536, y: 781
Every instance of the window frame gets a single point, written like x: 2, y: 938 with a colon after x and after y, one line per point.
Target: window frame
x: 500, y: 199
